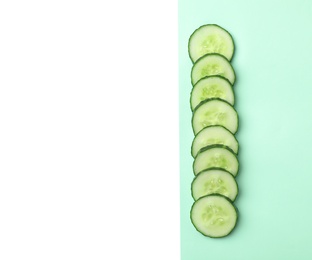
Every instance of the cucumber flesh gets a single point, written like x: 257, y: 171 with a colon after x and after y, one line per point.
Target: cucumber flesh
x: 216, y: 156
x: 212, y: 64
x: 214, y: 216
x: 214, y: 181
x: 210, y: 38
x: 214, y: 135
x: 212, y: 87
x: 214, y: 112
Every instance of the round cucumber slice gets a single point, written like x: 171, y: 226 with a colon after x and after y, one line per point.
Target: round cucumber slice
x: 214, y: 216
x: 211, y: 135
x: 212, y: 87
x: 216, y: 156
x: 214, y: 181
x: 210, y: 38
x: 214, y: 111
x: 212, y: 64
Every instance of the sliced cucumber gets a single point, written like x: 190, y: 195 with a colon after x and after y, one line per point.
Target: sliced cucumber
x: 216, y: 156
x: 212, y: 64
x: 214, y: 135
x: 210, y: 38
x: 212, y: 87
x: 214, y: 111
x: 214, y: 181
x: 214, y: 216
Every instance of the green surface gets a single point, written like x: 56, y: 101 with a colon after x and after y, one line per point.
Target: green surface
x: 273, y: 91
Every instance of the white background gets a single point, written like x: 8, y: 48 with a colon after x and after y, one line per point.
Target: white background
x: 89, y: 130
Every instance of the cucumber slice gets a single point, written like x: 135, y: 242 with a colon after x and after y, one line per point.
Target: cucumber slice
x: 212, y: 64
x: 212, y: 87
x: 210, y: 38
x: 218, y: 156
x: 214, y: 216
x: 214, y: 135
x: 214, y: 111
x: 214, y: 181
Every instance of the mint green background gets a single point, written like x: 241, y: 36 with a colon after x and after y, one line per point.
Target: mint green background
x: 273, y: 64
